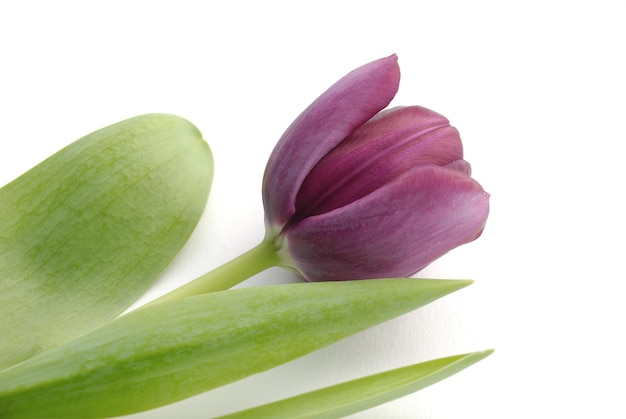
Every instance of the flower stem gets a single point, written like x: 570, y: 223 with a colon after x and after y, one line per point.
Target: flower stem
x: 255, y: 260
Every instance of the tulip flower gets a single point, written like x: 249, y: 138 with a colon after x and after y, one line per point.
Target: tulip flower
x: 353, y: 191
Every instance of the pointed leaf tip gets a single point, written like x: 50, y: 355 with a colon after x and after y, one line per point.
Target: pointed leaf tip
x: 364, y: 393
x: 169, y: 351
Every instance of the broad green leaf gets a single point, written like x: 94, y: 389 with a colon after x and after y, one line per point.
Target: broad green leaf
x: 169, y: 351
x: 84, y: 233
x: 355, y: 396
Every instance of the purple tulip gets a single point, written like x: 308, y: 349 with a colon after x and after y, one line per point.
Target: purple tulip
x: 351, y: 191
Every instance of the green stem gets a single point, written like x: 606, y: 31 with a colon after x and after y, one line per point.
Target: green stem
x: 255, y: 260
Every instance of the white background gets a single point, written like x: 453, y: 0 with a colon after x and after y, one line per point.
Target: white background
x: 537, y: 90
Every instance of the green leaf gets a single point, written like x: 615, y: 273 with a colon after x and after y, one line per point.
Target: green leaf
x: 355, y: 396
x: 169, y: 351
x: 84, y: 233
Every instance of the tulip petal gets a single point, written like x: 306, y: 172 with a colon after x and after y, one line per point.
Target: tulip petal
x: 387, y: 146
x: 394, y: 231
x: 460, y: 165
x: 332, y: 117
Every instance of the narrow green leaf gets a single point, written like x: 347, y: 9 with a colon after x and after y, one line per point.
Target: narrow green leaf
x: 84, y: 233
x: 169, y: 351
x: 355, y: 396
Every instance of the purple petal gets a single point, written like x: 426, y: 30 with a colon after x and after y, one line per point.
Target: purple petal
x: 393, y: 232
x: 387, y: 146
x: 460, y: 165
x: 340, y: 110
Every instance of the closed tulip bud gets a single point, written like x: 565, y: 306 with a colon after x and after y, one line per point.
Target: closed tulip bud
x: 351, y: 191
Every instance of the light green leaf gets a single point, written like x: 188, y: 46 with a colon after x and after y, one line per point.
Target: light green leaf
x: 84, y: 233
x: 169, y: 351
x: 355, y: 396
